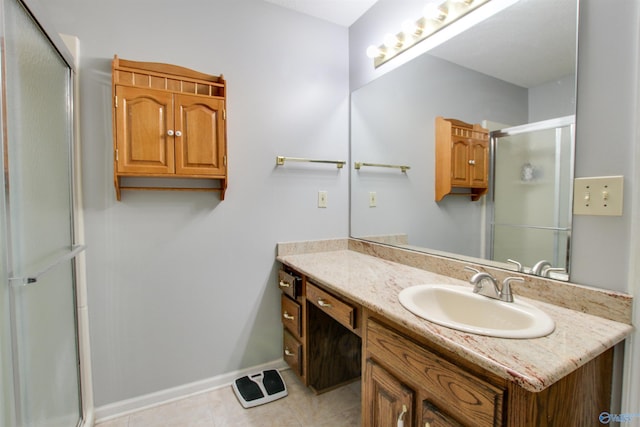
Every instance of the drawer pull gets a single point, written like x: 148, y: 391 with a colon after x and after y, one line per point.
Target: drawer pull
x: 284, y: 284
x: 288, y: 316
x: 401, y: 416
x: 288, y: 353
x: 323, y: 303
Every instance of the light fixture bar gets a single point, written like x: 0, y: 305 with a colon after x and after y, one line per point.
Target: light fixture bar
x: 436, y: 16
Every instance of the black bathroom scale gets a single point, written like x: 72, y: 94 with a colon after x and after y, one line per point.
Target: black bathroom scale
x: 257, y: 389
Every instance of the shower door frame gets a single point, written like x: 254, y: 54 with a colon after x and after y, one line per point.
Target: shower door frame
x: 559, y: 122
x: 85, y: 397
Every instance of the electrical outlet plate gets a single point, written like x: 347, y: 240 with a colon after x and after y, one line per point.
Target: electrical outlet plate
x: 322, y: 199
x: 601, y: 195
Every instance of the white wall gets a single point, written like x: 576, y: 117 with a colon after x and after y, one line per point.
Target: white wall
x: 181, y: 286
x: 608, y: 51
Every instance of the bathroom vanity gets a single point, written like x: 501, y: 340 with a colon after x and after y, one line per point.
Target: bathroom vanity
x: 342, y: 321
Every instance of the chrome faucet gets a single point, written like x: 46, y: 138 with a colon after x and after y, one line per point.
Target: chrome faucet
x: 502, y: 293
x: 539, y: 268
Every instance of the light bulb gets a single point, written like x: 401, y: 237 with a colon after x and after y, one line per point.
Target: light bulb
x: 374, y: 51
x: 434, y: 12
x: 411, y: 28
x: 391, y: 40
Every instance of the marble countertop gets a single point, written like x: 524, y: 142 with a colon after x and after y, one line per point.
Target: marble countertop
x: 534, y: 364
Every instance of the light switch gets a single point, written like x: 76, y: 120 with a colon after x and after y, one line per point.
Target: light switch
x: 322, y: 199
x: 373, y: 199
x: 600, y: 195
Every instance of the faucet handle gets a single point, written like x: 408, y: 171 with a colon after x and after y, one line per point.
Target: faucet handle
x: 469, y: 268
x: 505, y: 293
x: 518, y: 265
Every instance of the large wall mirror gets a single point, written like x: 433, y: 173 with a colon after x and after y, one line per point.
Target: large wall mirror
x: 514, y: 73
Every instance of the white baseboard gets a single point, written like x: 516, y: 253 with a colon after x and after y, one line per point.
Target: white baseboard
x: 125, y: 407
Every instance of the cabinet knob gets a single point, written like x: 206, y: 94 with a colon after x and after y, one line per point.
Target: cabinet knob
x: 170, y: 132
x: 288, y: 352
x: 284, y: 284
x: 288, y: 316
x: 178, y: 133
x: 472, y: 162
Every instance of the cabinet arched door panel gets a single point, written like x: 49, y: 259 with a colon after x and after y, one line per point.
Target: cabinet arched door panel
x: 144, y: 127
x: 200, y: 138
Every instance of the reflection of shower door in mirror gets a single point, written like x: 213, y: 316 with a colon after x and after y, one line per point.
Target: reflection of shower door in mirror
x: 532, y: 174
x: 37, y: 247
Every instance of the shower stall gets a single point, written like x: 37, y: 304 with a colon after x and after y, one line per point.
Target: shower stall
x: 530, y: 199
x: 41, y: 358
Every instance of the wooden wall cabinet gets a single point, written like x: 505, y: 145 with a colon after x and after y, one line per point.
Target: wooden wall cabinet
x: 168, y: 122
x: 462, y: 158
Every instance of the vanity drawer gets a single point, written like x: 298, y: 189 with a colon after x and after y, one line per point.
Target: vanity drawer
x: 290, y: 315
x: 292, y: 352
x: 334, y: 307
x: 289, y: 284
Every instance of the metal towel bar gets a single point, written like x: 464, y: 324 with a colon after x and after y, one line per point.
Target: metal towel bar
x: 281, y: 159
x: 403, y: 168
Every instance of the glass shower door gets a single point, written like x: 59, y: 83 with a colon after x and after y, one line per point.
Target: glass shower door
x: 532, y: 193
x: 38, y: 219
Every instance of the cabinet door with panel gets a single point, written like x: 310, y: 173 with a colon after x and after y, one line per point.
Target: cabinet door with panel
x: 200, y: 135
x: 460, y: 175
x: 144, y: 118
x: 446, y: 394
x: 387, y: 401
x: 479, y: 162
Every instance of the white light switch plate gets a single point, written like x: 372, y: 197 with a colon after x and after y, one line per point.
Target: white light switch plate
x: 600, y: 195
x: 373, y: 199
x: 322, y: 199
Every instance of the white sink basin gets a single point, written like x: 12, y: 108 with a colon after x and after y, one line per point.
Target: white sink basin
x: 459, y: 308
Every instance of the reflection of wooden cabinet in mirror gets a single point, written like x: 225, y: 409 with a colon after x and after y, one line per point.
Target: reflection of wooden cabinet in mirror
x: 168, y: 122
x: 462, y: 158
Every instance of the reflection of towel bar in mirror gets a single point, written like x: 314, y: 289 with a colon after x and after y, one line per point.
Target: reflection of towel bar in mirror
x: 281, y: 159
x: 403, y: 168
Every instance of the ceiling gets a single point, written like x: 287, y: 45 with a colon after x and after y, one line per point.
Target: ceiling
x: 341, y: 12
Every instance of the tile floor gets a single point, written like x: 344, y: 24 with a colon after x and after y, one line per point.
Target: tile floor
x: 220, y: 408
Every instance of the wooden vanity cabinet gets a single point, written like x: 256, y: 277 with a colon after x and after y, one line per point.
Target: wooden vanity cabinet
x: 462, y: 158
x: 439, y: 389
x: 400, y: 372
x: 321, y: 333
x: 168, y: 122
x: 408, y: 377
x: 293, y: 317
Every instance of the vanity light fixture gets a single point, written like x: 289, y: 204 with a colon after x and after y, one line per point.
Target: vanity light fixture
x: 436, y: 16
x: 392, y: 41
x: 435, y: 12
x: 411, y: 29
